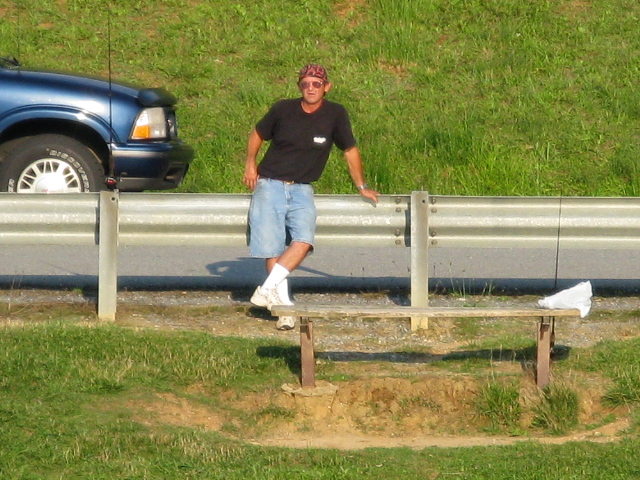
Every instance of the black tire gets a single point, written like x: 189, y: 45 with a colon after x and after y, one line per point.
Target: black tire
x: 51, y: 164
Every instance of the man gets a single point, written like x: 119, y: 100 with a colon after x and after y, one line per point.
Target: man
x: 301, y: 133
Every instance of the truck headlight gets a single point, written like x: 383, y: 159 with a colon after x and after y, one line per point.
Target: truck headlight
x: 151, y: 124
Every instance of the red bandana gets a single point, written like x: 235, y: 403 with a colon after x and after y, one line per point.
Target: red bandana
x: 314, y: 70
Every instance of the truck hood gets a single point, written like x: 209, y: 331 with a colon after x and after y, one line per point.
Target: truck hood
x: 92, y: 85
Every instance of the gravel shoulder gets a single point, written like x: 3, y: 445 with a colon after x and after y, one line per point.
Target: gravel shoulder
x: 610, y: 317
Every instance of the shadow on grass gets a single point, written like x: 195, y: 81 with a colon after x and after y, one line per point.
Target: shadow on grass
x: 526, y: 357
x: 290, y: 355
x: 522, y: 355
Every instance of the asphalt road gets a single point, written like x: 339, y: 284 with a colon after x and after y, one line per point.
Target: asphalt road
x: 210, y: 268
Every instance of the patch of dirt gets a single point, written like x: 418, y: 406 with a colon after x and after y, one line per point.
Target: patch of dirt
x: 416, y: 412
x: 350, y: 9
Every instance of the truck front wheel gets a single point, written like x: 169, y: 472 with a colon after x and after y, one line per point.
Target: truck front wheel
x: 51, y: 164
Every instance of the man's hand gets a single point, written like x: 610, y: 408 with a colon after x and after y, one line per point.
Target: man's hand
x: 250, y: 178
x: 354, y: 161
x: 370, y: 194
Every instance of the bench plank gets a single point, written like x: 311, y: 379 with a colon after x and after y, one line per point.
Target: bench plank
x: 309, y: 310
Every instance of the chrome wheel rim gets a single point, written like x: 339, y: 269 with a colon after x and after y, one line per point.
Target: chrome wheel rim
x: 49, y: 175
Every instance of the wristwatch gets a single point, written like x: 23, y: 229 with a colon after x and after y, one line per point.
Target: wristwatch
x: 363, y: 186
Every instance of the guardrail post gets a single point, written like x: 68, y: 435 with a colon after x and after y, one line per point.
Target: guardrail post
x: 419, y: 256
x: 108, y: 258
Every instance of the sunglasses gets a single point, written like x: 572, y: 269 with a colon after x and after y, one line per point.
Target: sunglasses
x: 305, y: 85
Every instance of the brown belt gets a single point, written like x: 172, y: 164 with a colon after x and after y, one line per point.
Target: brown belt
x: 286, y: 182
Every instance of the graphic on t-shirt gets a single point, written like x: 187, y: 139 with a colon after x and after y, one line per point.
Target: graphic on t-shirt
x: 319, y: 140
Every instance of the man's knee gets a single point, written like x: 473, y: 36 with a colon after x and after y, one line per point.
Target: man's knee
x: 301, y: 247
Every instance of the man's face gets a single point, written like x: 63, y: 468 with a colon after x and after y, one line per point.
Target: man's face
x: 313, y: 89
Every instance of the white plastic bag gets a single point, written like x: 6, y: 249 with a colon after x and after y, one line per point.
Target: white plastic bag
x: 575, y: 297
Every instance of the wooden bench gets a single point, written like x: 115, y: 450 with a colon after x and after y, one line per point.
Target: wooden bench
x: 306, y: 314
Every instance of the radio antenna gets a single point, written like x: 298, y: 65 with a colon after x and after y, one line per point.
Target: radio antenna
x: 111, y: 180
x: 19, y: 33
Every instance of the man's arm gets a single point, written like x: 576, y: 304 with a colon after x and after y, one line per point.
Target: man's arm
x: 251, y: 164
x: 354, y: 162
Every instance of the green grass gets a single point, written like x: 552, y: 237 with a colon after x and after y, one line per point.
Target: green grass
x: 619, y: 361
x: 65, y: 412
x: 474, y: 98
x: 559, y: 409
x: 500, y: 404
x: 105, y: 359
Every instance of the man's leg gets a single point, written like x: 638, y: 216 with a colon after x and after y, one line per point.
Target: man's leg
x: 279, y: 268
x: 290, y: 260
x: 272, y: 291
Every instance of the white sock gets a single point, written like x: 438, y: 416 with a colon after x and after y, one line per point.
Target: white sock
x: 277, y: 275
x: 283, y: 290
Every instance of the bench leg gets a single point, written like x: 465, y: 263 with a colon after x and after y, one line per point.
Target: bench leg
x: 307, y: 354
x: 546, y: 332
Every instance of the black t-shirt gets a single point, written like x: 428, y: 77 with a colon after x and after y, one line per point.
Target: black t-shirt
x: 300, y: 141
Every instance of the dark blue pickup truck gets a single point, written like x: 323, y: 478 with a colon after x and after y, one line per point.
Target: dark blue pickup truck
x: 63, y: 133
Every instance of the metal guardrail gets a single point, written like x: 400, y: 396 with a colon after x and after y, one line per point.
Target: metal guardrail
x: 49, y: 220
x: 419, y: 221
x: 191, y: 219
x: 534, y: 222
x: 221, y: 220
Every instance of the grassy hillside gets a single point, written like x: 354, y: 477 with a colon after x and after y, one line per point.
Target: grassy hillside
x: 477, y: 97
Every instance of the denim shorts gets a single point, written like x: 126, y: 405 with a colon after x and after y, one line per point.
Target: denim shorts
x: 280, y: 213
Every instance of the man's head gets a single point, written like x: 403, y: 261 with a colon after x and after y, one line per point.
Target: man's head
x: 313, y: 82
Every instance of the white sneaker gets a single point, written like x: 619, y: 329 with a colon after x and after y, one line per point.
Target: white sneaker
x: 267, y: 297
x: 286, y: 323
x: 259, y: 297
